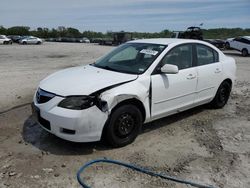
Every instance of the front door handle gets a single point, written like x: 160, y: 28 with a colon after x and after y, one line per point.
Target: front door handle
x: 217, y: 70
x: 191, y: 76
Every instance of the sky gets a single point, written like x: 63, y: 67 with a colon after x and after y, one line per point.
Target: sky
x: 126, y: 15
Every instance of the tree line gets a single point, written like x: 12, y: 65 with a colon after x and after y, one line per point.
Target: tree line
x: 61, y: 31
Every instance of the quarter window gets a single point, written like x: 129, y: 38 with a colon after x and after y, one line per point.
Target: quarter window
x: 180, y: 56
x: 206, y: 55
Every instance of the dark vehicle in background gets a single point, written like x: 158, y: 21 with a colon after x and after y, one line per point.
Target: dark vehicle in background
x: 121, y: 37
x: 15, y: 38
x: 117, y: 38
x: 241, y: 44
x: 96, y: 40
x: 196, y: 33
x: 219, y: 43
x: 69, y: 39
x: 190, y: 33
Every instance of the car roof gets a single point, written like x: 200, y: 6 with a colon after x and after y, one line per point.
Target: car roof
x: 164, y: 41
x: 247, y: 37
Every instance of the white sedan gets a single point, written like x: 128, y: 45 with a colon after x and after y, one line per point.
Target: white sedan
x: 138, y: 82
x: 5, y: 40
x: 30, y: 40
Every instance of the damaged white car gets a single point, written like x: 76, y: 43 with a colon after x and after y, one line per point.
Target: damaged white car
x: 136, y: 83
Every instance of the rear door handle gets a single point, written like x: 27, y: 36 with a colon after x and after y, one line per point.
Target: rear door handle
x: 191, y: 76
x: 217, y: 70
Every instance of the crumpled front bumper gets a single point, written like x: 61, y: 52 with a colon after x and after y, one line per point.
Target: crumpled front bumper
x: 73, y: 125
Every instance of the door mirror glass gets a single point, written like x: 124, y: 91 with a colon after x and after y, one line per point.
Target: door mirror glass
x: 169, y: 69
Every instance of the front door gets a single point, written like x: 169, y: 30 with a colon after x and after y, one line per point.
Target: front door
x: 172, y: 92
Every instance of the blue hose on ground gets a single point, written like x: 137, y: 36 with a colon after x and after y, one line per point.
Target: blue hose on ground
x: 136, y: 168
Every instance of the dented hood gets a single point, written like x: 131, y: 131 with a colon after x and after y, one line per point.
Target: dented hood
x: 83, y: 80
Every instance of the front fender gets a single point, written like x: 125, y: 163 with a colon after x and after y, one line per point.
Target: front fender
x: 138, y: 90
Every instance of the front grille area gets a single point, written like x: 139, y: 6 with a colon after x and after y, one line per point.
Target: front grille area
x: 43, y: 96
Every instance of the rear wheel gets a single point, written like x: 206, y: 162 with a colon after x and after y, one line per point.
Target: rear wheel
x: 24, y: 43
x: 222, y: 95
x: 38, y: 42
x: 123, y: 126
x: 244, y: 52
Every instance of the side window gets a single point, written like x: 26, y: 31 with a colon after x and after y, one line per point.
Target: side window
x: 245, y: 41
x: 206, y: 55
x: 180, y: 56
x: 237, y: 39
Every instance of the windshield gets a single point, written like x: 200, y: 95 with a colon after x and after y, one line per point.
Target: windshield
x: 133, y: 58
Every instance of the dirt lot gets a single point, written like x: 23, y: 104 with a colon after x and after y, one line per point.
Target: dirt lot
x: 204, y: 145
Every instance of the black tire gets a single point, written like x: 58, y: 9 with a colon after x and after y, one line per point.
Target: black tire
x: 222, y: 95
x: 244, y: 52
x: 24, y: 43
x: 38, y: 43
x: 227, y: 45
x: 5, y: 42
x: 123, y: 125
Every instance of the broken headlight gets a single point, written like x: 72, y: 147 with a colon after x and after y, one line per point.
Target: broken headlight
x: 77, y: 102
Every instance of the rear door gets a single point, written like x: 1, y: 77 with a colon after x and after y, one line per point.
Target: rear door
x: 209, y: 70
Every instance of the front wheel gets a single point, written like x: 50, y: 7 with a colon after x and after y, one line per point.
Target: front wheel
x: 222, y: 95
x: 123, y: 126
x: 227, y: 45
x: 244, y: 52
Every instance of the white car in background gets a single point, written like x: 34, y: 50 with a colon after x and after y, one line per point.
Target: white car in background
x: 30, y: 40
x: 241, y: 44
x: 138, y: 82
x: 85, y: 40
x: 5, y: 40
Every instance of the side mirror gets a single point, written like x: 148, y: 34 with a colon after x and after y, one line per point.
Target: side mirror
x: 169, y: 69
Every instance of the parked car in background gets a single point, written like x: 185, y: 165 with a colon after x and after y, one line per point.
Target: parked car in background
x: 96, y: 40
x: 216, y: 42
x: 5, y: 40
x: 138, y: 82
x: 15, y: 38
x: 241, y: 44
x: 85, y: 40
x: 30, y: 40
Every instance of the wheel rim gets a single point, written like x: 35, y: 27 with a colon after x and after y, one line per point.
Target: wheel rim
x: 125, y: 125
x: 244, y: 52
x: 223, y: 97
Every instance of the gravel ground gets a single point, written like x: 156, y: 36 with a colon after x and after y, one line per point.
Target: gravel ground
x: 203, y: 145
